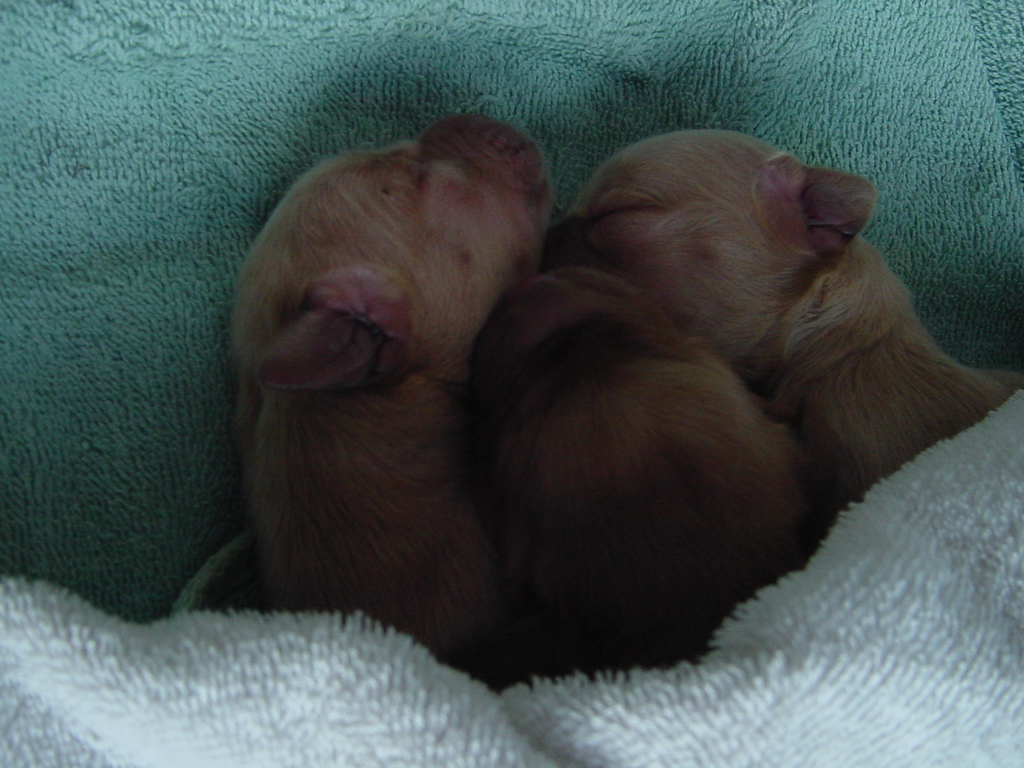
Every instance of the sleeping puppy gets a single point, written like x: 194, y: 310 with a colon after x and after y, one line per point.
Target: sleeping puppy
x: 750, y: 248
x: 352, y: 328
x: 642, y: 491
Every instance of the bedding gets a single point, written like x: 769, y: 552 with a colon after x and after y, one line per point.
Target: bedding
x: 900, y: 644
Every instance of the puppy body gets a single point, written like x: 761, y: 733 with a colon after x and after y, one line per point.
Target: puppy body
x: 644, y: 493
x: 761, y: 254
x: 351, y: 334
x: 872, y: 387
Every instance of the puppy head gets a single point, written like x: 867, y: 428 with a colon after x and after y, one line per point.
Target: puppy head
x: 382, y: 262
x: 576, y: 355
x: 544, y: 327
x: 602, y: 431
x: 723, y: 230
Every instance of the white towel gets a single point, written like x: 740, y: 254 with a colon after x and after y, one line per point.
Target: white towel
x: 901, y: 644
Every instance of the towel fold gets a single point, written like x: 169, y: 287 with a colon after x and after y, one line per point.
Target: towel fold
x: 901, y: 644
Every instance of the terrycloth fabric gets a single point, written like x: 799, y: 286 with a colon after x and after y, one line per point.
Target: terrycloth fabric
x: 900, y: 645
x: 142, y: 144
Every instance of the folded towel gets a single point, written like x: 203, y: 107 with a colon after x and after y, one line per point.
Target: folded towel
x: 78, y: 687
x: 901, y: 644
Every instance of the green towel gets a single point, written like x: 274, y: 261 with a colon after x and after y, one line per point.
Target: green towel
x: 143, y: 143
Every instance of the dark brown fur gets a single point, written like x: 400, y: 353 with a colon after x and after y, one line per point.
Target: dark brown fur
x: 643, y: 492
x: 760, y: 254
x: 353, y: 323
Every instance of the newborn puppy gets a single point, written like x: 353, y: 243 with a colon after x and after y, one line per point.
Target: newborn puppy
x: 642, y: 491
x: 354, y: 318
x: 748, y: 247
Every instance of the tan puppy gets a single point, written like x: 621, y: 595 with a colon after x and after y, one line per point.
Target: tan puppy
x: 759, y: 253
x: 643, y: 493
x: 352, y: 329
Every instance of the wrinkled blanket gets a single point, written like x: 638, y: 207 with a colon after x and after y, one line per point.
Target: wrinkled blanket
x: 901, y: 644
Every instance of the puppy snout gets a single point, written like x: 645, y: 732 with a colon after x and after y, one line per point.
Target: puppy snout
x: 477, y: 134
x: 489, y: 146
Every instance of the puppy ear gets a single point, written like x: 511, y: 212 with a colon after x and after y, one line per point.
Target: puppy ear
x: 826, y: 207
x: 353, y: 330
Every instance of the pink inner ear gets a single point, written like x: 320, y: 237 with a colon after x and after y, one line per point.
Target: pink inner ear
x: 826, y: 207
x: 353, y: 330
x: 836, y: 206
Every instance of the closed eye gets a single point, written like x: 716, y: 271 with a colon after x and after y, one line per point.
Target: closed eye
x: 601, y: 215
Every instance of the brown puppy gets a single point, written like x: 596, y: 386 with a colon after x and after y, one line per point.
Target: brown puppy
x: 352, y: 330
x: 759, y: 253
x: 643, y: 492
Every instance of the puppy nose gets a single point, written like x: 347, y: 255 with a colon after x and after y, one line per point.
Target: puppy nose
x: 490, y: 146
x: 478, y: 133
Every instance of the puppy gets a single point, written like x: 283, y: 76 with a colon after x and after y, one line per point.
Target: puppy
x: 352, y: 328
x: 760, y: 254
x: 643, y: 492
